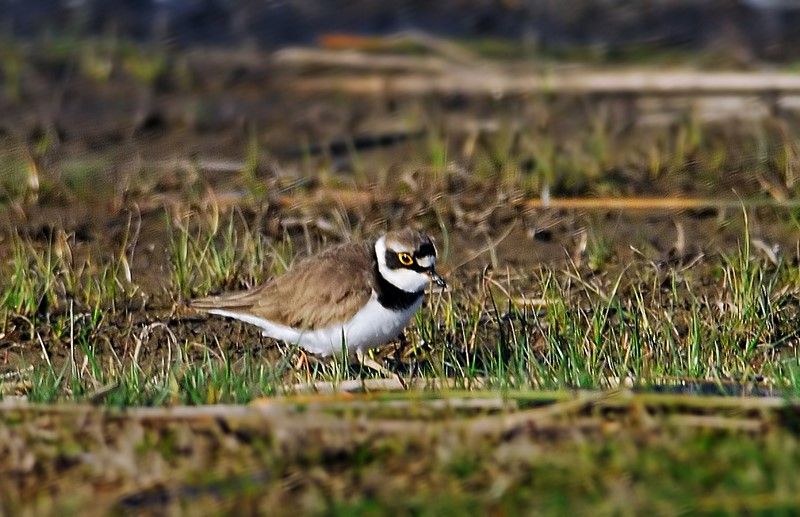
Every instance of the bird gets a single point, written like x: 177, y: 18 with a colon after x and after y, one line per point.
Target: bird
x: 348, y: 298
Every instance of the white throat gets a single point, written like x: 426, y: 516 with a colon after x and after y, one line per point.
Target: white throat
x: 405, y: 279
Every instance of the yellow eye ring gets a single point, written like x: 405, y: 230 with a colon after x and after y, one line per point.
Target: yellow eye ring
x: 405, y: 259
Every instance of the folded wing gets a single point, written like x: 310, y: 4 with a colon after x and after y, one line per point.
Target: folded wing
x: 317, y: 292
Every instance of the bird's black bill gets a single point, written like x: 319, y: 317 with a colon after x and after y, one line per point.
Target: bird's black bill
x: 437, y: 278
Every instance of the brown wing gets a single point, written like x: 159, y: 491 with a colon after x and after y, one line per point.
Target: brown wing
x: 316, y: 292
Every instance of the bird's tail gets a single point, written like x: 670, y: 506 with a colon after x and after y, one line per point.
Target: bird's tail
x: 240, y: 300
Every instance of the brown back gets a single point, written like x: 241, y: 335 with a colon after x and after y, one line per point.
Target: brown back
x: 317, y: 292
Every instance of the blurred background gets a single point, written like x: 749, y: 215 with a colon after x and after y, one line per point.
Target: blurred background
x: 742, y: 30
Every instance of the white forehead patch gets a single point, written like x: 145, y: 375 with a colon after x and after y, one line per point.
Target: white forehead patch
x: 426, y: 261
x: 396, y: 246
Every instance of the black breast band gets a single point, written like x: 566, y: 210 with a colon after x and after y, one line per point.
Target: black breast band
x: 391, y: 296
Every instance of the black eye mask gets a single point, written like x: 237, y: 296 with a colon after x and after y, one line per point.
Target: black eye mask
x: 393, y: 261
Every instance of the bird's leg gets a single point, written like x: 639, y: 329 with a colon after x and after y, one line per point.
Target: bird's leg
x: 302, y: 362
x: 402, y: 346
x: 367, y: 361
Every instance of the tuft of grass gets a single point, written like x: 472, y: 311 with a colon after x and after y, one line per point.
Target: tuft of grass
x: 40, y: 279
x: 215, y: 377
x: 214, y: 255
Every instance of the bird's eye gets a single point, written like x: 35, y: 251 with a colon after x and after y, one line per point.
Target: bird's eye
x: 405, y: 259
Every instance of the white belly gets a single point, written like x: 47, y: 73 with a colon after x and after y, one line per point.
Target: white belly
x: 372, y: 326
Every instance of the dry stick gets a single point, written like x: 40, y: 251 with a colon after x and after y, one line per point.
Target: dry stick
x: 450, y: 57
x: 523, y: 396
x: 701, y: 401
x: 353, y: 199
x: 657, y: 203
x: 565, y: 402
x: 305, y: 57
x: 508, y: 421
x: 437, y: 404
x: 541, y: 419
x: 475, y: 81
x: 349, y: 386
x: 361, y: 199
x: 285, y: 423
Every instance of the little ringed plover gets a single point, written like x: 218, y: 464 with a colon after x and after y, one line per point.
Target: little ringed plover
x: 357, y: 295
